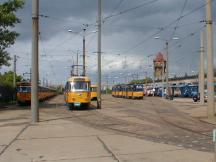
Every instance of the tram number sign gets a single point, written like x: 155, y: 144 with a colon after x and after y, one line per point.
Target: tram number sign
x: 214, y: 135
x: 79, y: 79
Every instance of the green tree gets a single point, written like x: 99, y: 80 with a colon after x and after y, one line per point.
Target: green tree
x: 142, y: 81
x: 7, y: 78
x: 8, y: 19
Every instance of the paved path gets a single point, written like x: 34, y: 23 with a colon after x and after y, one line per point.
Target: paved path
x: 61, y: 137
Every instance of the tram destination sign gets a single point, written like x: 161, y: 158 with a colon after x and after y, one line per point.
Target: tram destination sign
x: 79, y: 79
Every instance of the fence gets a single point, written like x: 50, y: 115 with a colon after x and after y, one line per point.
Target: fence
x: 7, y: 93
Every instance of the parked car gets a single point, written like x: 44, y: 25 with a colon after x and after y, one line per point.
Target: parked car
x: 149, y: 92
x: 196, y: 97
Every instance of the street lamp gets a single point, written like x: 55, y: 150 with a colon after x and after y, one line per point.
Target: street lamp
x: 84, y: 45
x: 150, y: 66
x: 167, y: 61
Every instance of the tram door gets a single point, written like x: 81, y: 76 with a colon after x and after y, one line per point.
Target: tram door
x: 67, y: 90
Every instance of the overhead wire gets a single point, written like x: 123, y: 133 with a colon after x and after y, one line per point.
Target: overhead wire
x: 143, y: 41
x: 180, y: 43
x: 160, y: 30
x: 178, y: 21
x: 165, y: 27
x: 62, y: 20
x: 116, y: 7
x: 129, y: 9
x: 189, y: 13
x: 176, y: 45
x: 121, y: 12
x: 65, y: 41
x: 191, y: 23
x: 47, y: 61
x: 61, y: 43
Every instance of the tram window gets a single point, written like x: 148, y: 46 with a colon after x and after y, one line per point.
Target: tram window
x: 93, y: 89
x: 67, y: 86
x: 79, y: 86
x: 40, y: 89
x: 24, y: 89
x: 139, y: 88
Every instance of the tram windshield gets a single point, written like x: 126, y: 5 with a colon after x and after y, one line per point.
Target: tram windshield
x: 139, y: 88
x: 80, y: 86
x: 24, y: 89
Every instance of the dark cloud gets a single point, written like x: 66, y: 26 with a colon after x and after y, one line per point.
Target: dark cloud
x: 130, y: 34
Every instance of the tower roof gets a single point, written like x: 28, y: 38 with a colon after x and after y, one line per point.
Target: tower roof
x: 159, y: 57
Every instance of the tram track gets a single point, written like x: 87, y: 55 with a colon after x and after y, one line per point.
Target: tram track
x: 136, y: 122
x: 126, y: 128
x: 177, y: 125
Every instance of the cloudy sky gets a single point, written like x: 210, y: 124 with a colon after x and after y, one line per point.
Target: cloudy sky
x: 128, y: 37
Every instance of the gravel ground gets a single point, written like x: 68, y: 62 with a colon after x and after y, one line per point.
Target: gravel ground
x: 152, y: 118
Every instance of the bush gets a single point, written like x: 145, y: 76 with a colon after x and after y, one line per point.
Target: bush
x: 7, y: 93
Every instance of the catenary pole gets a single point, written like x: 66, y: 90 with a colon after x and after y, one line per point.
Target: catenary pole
x: 153, y: 77
x: 84, y: 53
x: 77, y: 63
x: 167, y: 68
x: 201, y: 71
x: 34, y: 75
x: 210, y: 60
x: 162, y: 78
x: 99, y: 55
x: 14, y: 73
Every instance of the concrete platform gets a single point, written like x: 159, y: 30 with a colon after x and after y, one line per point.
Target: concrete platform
x: 50, y: 149
x: 63, y: 129
x: 58, y: 138
x: 64, y: 141
x: 136, y: 150
x: 8, y: 134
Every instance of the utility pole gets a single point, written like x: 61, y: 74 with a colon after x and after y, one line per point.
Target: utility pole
x: 210, y: 56
x: 77, y: 63
x: 99, y: 55
x: 146, y: 83
x: 107, y: 84
x: 30, y: 76
x: 153, y: 81
x: 34, y: 78
x: 154, y: 75
x: 201, y: 71
x: 14, y: 73
x: 44, y: 81
x: 162, y: 79
x: 84, y: 55
x: 167, y: 68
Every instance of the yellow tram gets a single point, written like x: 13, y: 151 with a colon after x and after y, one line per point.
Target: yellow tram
x: 24, y: 93
x: 118, y: 91
x: 93, y: 92
x: 138, y: 91
x: 77, y: 92
x: 129, y: 91
x: 114, y: 91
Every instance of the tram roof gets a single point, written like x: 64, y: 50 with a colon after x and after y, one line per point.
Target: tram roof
x: 23, y: 83
x: 79, y: 78
x: 94, y: 86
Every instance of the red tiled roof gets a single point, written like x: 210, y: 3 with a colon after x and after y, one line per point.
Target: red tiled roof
x: 159, y: 57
